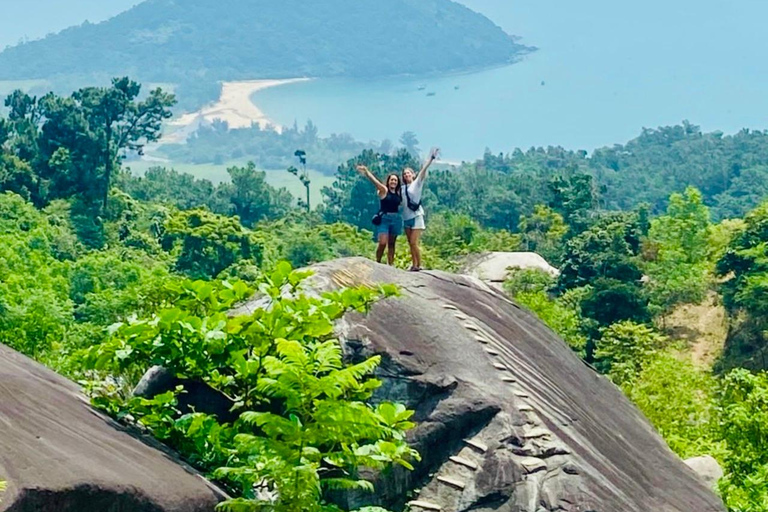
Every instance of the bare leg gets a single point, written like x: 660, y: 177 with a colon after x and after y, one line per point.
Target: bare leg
x: 413, y: 241
x: 391, y: 250
x: 409, y: 232
x: 383, y: 240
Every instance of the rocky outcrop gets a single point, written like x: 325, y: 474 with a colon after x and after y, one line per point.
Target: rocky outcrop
x: 197, y: 397
x: 493, y: 267
x: 509, y: 419
x: 60, y: 455
x: 707, y: 468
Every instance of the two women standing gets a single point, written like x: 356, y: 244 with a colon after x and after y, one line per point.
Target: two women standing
x: 396, y: 196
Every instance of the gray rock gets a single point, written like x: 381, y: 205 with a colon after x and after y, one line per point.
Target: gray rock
x: 597, y: 451
x: 197, y: 396
x: 60, y: 455
x: 707, y: 468
x: 493, y: 267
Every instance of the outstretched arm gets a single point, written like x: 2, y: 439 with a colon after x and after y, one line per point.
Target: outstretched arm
x: 380, y: 188
x: 432, y: 157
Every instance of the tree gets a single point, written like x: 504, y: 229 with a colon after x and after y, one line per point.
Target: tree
x: 679, y: 400
x: 251, y: 196
x: 73, y: 144
x: 543, y: 232
x: 205, y: 243
x: 530, y: 288
x: 303, y: 177
x: 411, y: 144
x: 743, y: 406
x: 575, y: 198
x: 745, y: 266
x: 169, y: 186
x: 676, y: 253
x: 608, y: 249
x: 685, y: 228
x: 118, y: 122
x: 611, y: 300
x: 625, y: 348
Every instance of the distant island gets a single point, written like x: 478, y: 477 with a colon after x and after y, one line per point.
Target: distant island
x: 196, y: 44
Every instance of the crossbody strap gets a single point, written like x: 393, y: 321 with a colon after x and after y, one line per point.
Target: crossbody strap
x: 408, y: 199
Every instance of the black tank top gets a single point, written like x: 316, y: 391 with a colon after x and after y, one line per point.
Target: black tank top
x: 391, y: 203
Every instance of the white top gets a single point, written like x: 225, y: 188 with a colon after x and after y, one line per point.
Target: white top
x: 414, y: 191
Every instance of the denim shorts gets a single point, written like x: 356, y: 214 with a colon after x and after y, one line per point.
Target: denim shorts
x: 391, y: 225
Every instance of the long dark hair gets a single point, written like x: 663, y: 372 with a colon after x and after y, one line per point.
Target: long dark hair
x: 398, y: 190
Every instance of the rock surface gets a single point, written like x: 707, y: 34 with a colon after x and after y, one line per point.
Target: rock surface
x: 509, y: 418
x: 493, y: 267
x: 60, y: 455
x: 707, y: 468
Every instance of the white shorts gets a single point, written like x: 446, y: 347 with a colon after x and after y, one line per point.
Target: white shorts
x: 415, y: 223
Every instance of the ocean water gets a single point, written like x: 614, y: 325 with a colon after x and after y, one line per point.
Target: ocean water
x: 604, y: 70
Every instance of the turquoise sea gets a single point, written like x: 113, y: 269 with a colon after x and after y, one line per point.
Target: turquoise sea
x: 604, y: 70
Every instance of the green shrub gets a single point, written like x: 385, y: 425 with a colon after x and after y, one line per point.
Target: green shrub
x: 304, y: 425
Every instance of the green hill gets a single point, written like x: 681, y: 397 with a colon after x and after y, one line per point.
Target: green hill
x: 186, y: 41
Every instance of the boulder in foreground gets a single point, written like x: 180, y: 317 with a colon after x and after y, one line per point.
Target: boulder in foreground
x: 60, y: 455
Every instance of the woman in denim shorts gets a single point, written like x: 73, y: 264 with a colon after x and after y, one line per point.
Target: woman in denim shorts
x: 391, y: 225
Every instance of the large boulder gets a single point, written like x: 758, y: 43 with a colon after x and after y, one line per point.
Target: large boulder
x: 509, y: 419
x: 707, y: 468
x: 60, y: 455
x: 493, y: 267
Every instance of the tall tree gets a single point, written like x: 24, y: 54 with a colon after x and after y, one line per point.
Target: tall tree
x: 121, y: 123
x: 410, y: 142
x: 252, y: 198
x: 676, y: 253
x: 575, y: 198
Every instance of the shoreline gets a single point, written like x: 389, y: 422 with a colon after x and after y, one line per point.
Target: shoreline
x: 234, y: 106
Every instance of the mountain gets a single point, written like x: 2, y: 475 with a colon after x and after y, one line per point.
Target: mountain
x: 51, y: 16
x: 183, y: 41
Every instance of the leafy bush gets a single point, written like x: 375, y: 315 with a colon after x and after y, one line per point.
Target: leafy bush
x: 743, y: 411
x: 625, y: 348
x: 563, y: 315
x: 205, y: 243
x: 303, y: 423
x: 678, y: 399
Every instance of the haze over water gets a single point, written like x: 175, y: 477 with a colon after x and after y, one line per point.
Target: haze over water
x: 609, y: 69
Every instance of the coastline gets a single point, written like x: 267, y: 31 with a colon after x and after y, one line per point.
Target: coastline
x: 234, y: 106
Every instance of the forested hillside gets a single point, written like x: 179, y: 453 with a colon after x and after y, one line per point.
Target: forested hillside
x: 161, y: 258
x: 731, y: 171
x: 198, y: 43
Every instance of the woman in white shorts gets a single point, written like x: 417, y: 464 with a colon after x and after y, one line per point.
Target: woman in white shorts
x: 413, y: 212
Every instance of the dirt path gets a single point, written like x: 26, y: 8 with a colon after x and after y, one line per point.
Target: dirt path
x: 703, y: 327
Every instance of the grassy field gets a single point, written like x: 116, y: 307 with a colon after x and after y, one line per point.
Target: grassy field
x: 218, y: 173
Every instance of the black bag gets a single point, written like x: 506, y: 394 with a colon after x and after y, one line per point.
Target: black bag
x: 376, y: 220
x: 411, y: 205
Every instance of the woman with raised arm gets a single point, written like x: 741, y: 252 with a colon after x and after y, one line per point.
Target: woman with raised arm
x: 391, y: 222
x: 413, y: 212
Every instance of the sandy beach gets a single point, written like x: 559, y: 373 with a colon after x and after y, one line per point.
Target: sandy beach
x: 234, y: 106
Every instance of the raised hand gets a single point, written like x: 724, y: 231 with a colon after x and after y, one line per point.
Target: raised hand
x: 361, y: 169
x: 434, y: 153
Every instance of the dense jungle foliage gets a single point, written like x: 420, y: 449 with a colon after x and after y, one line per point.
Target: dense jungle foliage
x: 103, y: 274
